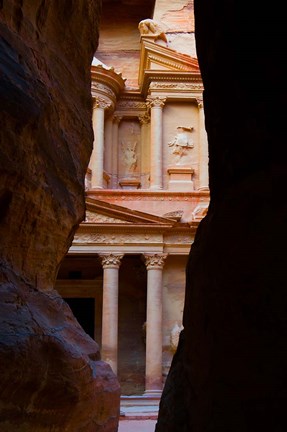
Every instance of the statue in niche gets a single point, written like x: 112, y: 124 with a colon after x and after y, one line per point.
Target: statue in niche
x: 129, y: 146
x: 181, y: 142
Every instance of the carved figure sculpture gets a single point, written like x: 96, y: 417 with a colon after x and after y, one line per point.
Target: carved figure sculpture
x: 129, y: 155
x: 174, y: 336
x: 149, y: 27
x: 181, y: 142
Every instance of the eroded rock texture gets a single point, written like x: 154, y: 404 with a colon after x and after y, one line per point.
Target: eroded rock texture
x: 51, y: 374
x: 229, y: 373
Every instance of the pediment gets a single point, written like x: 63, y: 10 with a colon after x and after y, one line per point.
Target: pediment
x: 104, y: 213
x: 155, y: 57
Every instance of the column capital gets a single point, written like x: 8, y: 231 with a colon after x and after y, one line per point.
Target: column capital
x: 144, y: 119
x: 100, y: 102
x: 111, y: 260
x: 117, y: 119
x: 155, y: 261
x: 155, y: 101
x: 199, y: 101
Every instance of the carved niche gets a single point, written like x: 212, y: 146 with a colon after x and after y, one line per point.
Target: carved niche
x: 129, y: 149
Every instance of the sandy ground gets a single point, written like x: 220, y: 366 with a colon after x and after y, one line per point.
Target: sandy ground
x: 137, y: 425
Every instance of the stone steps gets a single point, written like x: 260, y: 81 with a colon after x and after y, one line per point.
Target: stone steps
x: 139, y: 407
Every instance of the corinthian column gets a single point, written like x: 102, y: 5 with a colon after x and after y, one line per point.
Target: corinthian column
x: 156, y: 105
x: 153, y: 375
x: 111, y: 264
x: 97, y: 157
x: 203, y: 149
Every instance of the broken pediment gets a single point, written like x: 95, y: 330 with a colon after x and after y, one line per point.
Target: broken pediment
x: 102, y: 212
x: 155, y: 57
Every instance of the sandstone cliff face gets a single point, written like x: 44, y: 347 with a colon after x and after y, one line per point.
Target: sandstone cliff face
x: 50, y: 370
x: 229, y: 372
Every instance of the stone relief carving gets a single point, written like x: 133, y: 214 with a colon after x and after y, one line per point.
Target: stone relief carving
x: 175, y: 85
x: 129, y: 148
x: 174, y: 336
x: 89, y: 238
x: 99, y: 218
x: 149, y: 27
x: 129, y: 104
x: 178, y: 239
x: 129, y: 156
x: 181, y: 143
x: 115, y: 238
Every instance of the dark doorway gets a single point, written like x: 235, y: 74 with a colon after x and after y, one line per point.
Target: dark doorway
x: 132, y: 316
x: 84, y: 310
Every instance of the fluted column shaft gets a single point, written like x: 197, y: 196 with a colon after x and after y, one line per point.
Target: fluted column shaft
x: 156, y: 105
x: 203, y: 150
x: 153, y: 375
x: 111, y: 264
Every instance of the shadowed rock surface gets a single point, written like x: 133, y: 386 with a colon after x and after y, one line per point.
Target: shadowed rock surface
x: 51, y: 374
x: 229, y: 373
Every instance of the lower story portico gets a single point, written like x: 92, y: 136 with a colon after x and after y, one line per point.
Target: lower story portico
x: 124, y: 280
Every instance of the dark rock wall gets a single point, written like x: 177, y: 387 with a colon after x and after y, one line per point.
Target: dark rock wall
x: 229, y: 373
x: 50, y: 370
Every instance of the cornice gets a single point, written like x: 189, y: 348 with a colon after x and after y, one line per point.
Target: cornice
x: 172, y: 84
x: 146, y: 194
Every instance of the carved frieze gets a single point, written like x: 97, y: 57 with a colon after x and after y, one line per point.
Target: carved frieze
x: 175, y: 85
x: 116, y: 238
x: 131, y: 105
x: 100, y: 218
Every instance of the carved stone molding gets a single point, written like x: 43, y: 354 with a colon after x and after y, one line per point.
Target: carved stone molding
x: 144, y: 119
x: 155, y: 261
x: 155, y: 102
x: 175, y: 85
x: 130, y: 104
x: 111, y: 260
